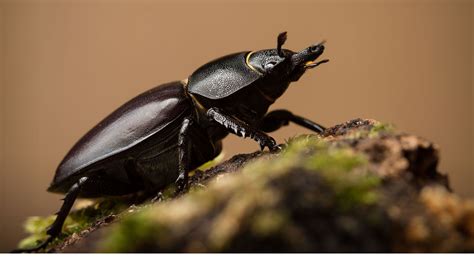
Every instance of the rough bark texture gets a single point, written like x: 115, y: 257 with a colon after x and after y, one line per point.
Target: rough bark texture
x: 359, y: 187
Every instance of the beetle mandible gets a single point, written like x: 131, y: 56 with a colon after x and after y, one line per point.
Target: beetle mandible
x: 156, y: 138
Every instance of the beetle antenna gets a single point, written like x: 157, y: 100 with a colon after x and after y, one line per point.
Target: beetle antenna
x: 280, y: 41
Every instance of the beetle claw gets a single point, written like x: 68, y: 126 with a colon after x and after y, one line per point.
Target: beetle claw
x: 157, y: 198
x: 281, y: 146
x: 267, y: 141
x: 278, y: 147
x: 181, y: 184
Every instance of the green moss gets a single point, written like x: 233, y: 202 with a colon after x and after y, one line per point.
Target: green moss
x: 301, y: 142
x: 77, y: 221
x: 345, y: 171
x: 35, y: 226
x: 370, y: 132
x: 351, y: 195
x: 268, y: 222
x: 211, y: 163
x: 334, y: 162
x: 157, y: 223
x: 381, y: 128
x: 133, y: 229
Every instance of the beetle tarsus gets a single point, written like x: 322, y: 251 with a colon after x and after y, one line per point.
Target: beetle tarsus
x: 55, y: 229
x: 35, y: 249
x: 265, y: 141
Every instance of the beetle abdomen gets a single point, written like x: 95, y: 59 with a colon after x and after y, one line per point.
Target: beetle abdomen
x: 138, y: 119
x: 158, y: 162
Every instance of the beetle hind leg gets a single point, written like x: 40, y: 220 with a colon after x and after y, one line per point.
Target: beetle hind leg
x: 55, y: 229
x: 278, y: 118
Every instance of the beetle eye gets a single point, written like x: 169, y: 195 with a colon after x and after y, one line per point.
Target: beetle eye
x: 269, y: 65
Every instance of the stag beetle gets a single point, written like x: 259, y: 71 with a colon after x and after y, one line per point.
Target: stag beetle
x: 154, y: 139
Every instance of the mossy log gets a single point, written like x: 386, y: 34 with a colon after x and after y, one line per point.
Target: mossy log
x: 359, y: 187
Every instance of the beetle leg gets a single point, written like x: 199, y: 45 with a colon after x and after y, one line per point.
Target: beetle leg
x: 55, y: 229
x: 278, y: 118
x: 183, y: 154
x: 241, y: 129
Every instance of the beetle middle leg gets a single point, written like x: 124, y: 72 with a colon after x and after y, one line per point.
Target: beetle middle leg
x: 278, y: 118
x: 183, y: 154
x: 55, y: 229
x: 242, y: 129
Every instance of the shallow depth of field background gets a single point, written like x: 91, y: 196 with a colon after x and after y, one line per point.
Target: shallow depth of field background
x: 64, y: 65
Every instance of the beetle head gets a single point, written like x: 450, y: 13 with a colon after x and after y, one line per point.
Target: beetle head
x: 306, y: 59
x: 284, y: 63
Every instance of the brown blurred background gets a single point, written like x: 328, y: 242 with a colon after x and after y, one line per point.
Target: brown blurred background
x: 67, y: 64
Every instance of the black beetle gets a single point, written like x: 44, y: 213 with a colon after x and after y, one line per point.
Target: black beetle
x: 158, y: 136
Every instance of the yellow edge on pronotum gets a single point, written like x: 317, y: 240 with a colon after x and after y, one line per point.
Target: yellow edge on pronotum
x: 247, y: 58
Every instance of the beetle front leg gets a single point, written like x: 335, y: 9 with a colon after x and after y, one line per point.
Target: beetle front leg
x: 278, y: 118
x: 183, y: 155
x: 241, y: 129
x: 55, y: 229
